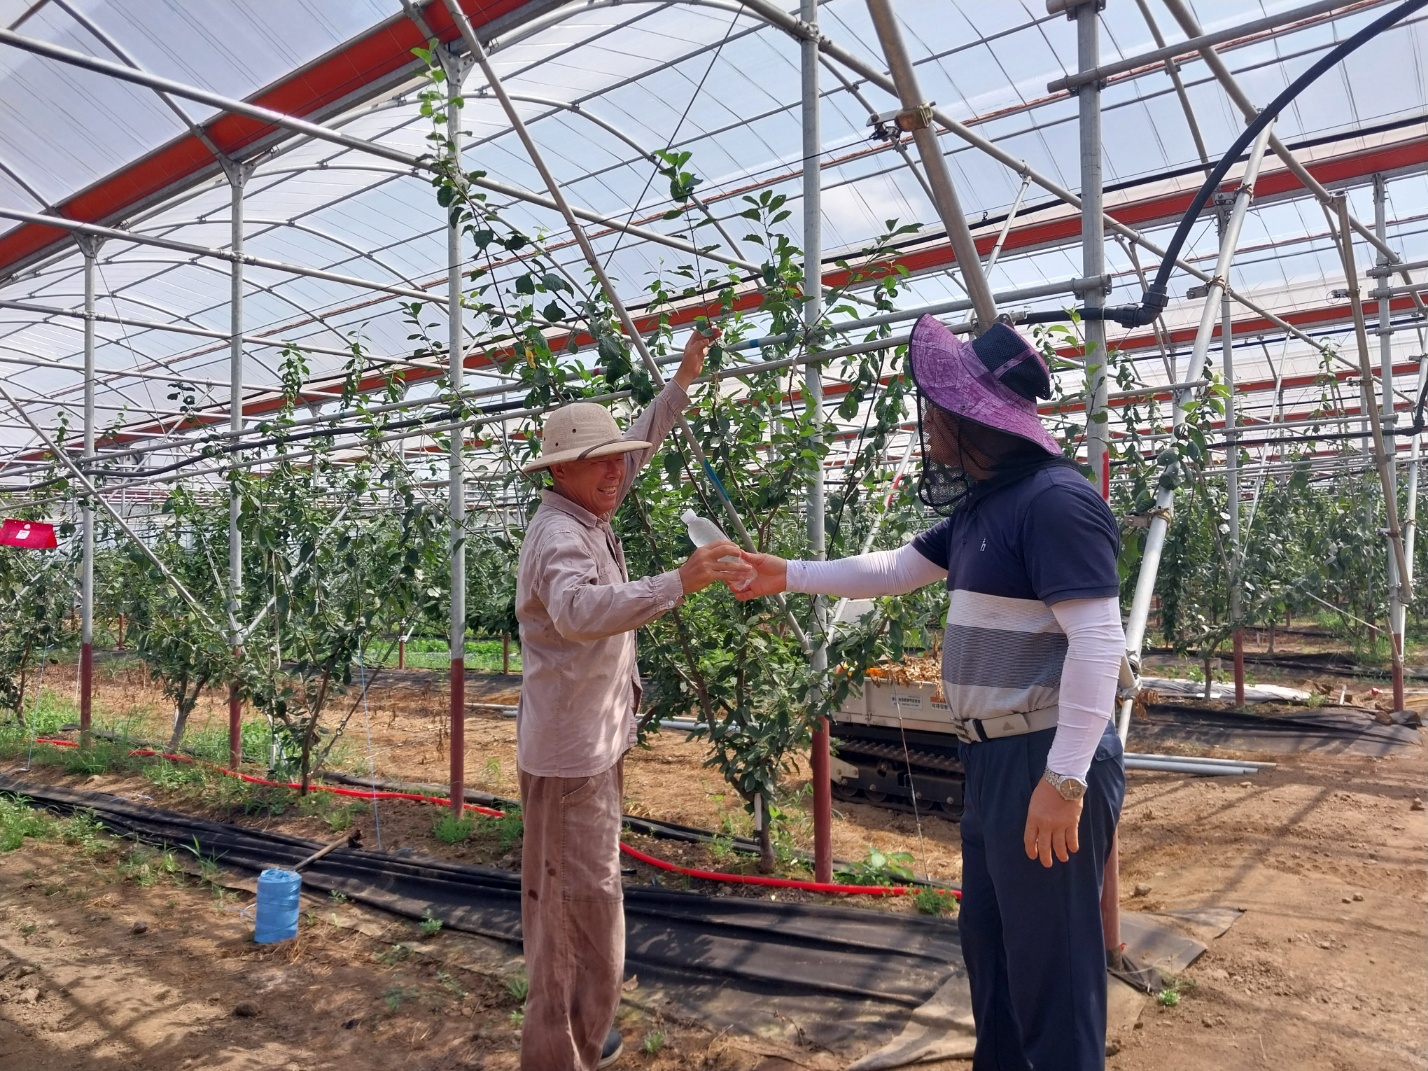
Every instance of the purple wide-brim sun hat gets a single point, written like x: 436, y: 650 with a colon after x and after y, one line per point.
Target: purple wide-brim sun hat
x: 993, y: 380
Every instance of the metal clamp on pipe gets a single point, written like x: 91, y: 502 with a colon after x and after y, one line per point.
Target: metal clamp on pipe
x: 905, y: 119
x: 1056, y: 7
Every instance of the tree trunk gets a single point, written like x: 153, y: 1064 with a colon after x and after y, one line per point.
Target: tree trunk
x: 767, y: 861
x: 180, y: 722
x: 183, y: 707
x: 1209, y: 675
x: 1270, y: 648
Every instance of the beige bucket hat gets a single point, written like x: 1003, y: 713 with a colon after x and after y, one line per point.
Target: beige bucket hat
x: 579, y: 431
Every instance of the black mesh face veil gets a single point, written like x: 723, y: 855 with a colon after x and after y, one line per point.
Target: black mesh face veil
x: 950, y: 442
x: 942, y: 483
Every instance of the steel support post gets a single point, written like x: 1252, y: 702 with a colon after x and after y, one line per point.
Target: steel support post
x: 1093, y: 242
x: 456, y: 472
x: 1165, y: 496
x: 918, y: 114
x: 1093, y: 260
x: 1396, y: 609
x: 237, y: 181
x: 1410, y: 515
x: 1382, y: 459
x: 819, y: 765
x: 1232, y: 482
x: 90, y: 249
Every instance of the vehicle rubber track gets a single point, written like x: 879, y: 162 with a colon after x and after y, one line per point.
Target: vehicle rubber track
x: 887, y: 766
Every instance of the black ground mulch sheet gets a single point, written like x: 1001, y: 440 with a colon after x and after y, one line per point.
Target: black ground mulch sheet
x: 1348, y: 732
x: 836, y: 977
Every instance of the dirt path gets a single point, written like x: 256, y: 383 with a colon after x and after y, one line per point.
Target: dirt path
x: 1326, y: 968
x: 100, y: 973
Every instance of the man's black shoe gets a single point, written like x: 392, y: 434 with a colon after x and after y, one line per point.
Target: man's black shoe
x: 614, y: 1045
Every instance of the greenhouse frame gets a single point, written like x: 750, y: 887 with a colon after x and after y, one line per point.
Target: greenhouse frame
x: 232, y: 243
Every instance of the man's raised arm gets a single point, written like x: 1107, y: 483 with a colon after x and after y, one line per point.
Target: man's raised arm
x: 659, y: 416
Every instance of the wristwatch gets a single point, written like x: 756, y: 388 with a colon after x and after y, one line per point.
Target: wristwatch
x: 1070, y: 788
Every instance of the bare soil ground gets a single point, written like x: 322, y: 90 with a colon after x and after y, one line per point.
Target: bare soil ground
x: 1325, y: 969
x: 101, y: 973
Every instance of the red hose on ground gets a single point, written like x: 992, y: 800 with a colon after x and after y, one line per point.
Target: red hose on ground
x: 777, y: 883
x: 364, y: 794
x: 634, y: 853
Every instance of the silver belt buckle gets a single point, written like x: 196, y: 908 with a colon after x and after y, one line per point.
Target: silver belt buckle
x: 1006, y: 725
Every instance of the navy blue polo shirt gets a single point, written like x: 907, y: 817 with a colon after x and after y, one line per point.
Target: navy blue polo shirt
x: 1011, y: 552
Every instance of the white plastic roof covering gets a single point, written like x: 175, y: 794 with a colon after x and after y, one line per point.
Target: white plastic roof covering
x: 709, y: 79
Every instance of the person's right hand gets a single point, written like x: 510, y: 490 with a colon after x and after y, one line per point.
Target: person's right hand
x: 770, y: 576
x: 704, y: 567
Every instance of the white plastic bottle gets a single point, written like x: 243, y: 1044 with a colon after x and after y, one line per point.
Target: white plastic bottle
x: 703, y: 531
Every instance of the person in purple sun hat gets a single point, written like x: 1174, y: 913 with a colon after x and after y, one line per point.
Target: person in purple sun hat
x: 1030, y: 662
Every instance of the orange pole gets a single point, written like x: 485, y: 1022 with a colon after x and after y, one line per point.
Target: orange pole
x: 86, y: 688
x: 1239, y: 667
x: 458, y: 735
x: 822, y: 804
x: 235, y: 728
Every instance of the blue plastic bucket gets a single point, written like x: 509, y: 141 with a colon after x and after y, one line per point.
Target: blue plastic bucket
x: 276, y: 918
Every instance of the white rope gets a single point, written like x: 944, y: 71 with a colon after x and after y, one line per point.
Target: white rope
x: 912, y: 793
x: 371, y: 762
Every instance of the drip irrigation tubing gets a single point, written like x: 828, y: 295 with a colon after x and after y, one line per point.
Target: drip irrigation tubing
x: 652, y: 827
x: 649, y: 826
x: 443, y: 801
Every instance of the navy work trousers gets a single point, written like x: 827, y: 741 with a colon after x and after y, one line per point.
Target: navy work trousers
x: 1031, y: 936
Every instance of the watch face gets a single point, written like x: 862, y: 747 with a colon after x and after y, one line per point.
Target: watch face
x: 1068, y: 787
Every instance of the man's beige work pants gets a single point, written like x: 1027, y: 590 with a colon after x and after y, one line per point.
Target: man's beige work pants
x: 573, y: 917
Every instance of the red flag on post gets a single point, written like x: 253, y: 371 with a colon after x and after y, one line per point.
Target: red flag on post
x: 33, y: 535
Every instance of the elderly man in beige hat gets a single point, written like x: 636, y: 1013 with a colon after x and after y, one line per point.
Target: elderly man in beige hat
x: 578, y: 613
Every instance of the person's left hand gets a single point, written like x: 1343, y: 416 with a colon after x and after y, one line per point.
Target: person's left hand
x: 695, y: 350
x: 769, y: 576
x: 1051, y: 824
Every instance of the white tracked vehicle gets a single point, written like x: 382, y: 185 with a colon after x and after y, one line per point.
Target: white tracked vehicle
x: 894, y: 743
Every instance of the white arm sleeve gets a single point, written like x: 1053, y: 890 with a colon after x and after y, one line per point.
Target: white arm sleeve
x: 865, y: 576
x: 1095, y: 645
